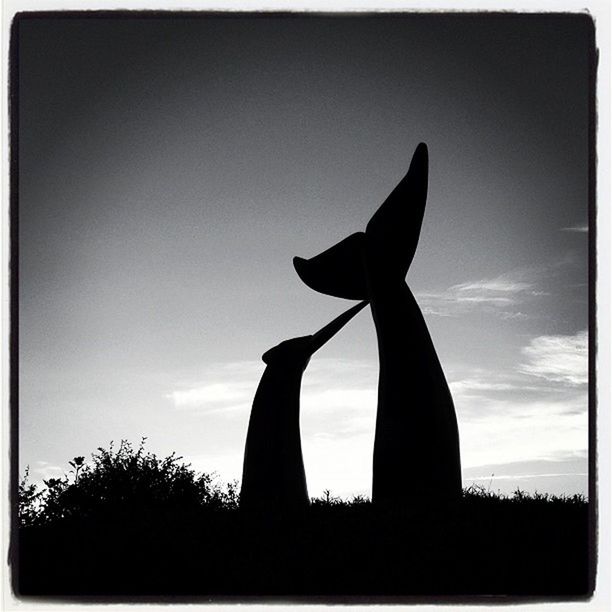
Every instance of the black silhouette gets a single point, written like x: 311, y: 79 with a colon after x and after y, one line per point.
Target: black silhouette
x: 137, y: 524
x: 273, y: 474
x: 416, y: 449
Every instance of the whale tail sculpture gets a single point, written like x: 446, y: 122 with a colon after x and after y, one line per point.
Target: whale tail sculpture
x: 388, y: 244
x: 416, y: 446
x: 273, y: 476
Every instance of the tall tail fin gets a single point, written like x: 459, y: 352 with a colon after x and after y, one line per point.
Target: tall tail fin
x: 394, y: 229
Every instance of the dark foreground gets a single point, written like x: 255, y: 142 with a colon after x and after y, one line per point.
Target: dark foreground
x: 520, y: 547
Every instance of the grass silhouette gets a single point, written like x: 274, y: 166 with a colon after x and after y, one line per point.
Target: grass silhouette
x: 129, y: 523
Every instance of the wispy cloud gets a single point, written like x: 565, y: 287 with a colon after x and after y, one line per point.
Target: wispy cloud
x: 509, y: 296
x: 561, y: 473
x: 515, y: 416
x: 522, y: 476
x: 329, y: 385
x: 479, y: 383
x: 502, y: 296
x: 576, y: 228
x: 221, y: 388
x: 561, y: 359
x: 43, y: 470
x: 470, y: 386
x: 339, y: 397
x: 214, y: 396
x: 338, y: 416
x: 519, y: 414
x: 513, y: 316
x: 499, y: 285
x: 571, y: 462
x: 512, y: 429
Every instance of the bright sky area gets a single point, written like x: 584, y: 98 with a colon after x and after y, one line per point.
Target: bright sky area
x: 171, y: 169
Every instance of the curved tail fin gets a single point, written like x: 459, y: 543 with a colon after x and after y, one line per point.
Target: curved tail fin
x: 394, y: 229
x: 390, y: 239
x: 337, y: 271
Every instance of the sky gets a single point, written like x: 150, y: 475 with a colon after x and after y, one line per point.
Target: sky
x: 169, y: 170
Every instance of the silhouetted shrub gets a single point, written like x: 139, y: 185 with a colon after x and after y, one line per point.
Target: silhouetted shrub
x: 129, y: 523
x: 123, y: 482
x: 29, y: 501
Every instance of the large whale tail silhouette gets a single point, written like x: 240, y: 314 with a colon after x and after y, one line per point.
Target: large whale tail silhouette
x: 416, y: 446
x: 273, y: 476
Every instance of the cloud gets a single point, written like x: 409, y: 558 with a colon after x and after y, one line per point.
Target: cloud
x: 562, y: 473
x: 504, y: 417
x: 521, y: 476
x: 576, y: 228
x: 511, y: 416
x: 221, y: 388
x: 500, y: 295
x: 438, y: 312
x: 564, y: 463
x: 479, y: 384
x: 508, y: 296
x: 213, y: 396
x: 339, y: 412
x: 471, y: 385
x: 503, y: 285
x: 329, y: 386
x: 515, y: 316
x: 43, y: 470
x: 561, y: 359
x: 515, y: 430
x: 338, y: 418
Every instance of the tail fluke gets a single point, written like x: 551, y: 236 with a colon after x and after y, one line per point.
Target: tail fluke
x: 390, y: 239
x: 338, y: 271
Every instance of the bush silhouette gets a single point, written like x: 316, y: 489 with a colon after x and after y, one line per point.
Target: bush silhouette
x: 129, y: 523
x: 29, y: 501
x: 120, y: 483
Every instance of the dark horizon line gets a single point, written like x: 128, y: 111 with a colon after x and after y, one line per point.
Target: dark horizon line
x: 126, y: 13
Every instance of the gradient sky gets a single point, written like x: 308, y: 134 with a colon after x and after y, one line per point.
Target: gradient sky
x: 171, y: 168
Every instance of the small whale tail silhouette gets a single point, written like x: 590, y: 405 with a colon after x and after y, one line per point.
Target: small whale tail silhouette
x: 273, y: 476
